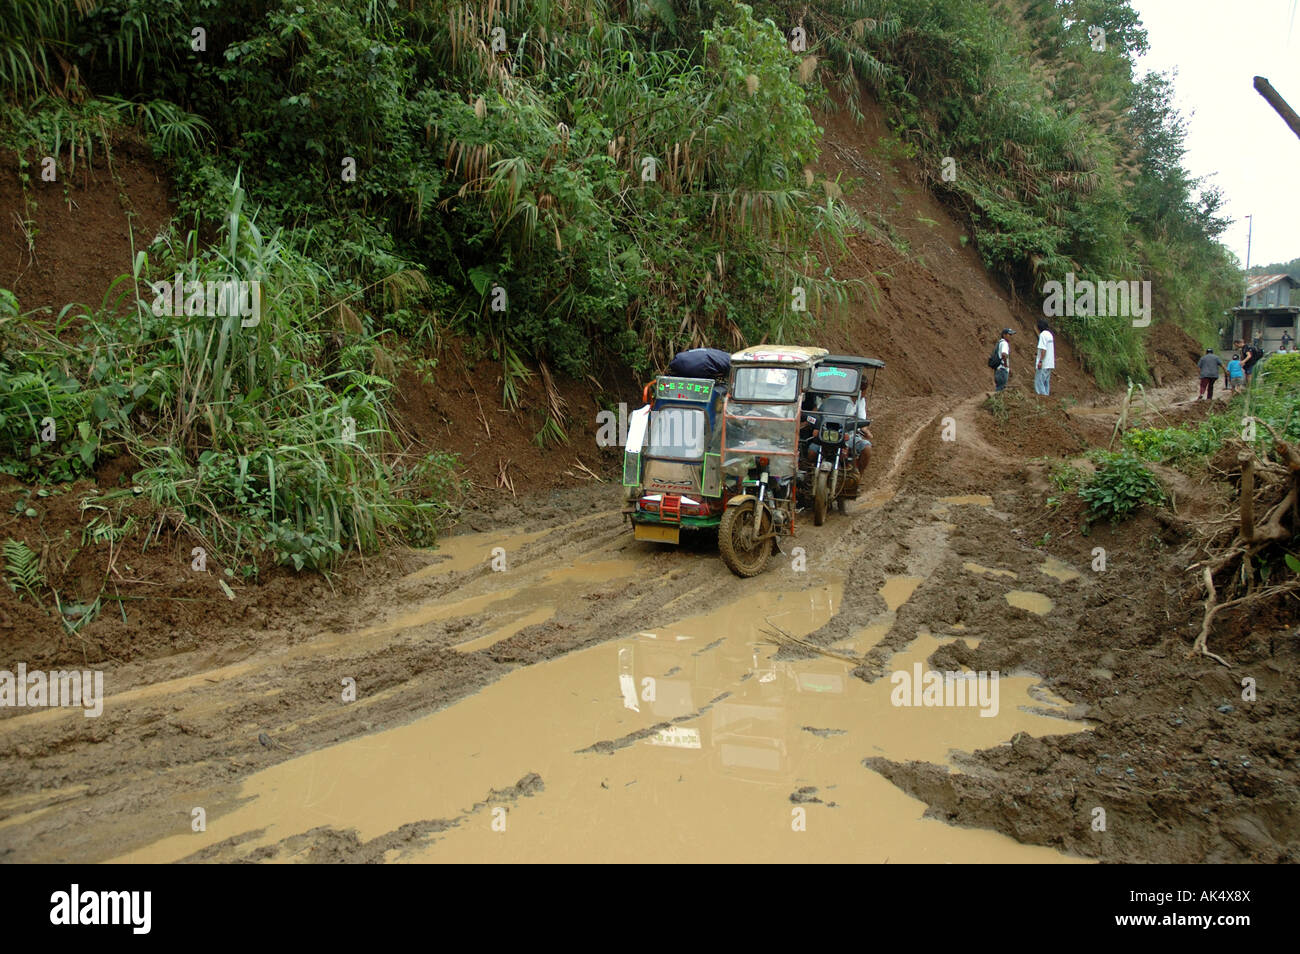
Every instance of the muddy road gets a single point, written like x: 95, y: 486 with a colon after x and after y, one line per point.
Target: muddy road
x: 549, y: 689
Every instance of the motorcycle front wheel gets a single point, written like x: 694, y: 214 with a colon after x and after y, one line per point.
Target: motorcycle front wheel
x: 821, y: 499
x: 744, y: 554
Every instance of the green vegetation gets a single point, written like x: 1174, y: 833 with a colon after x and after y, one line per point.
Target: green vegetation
x: 634, y: 176
x: 1291, y: 268
x: 23, y: 569
x: 1279, y: 376
x: 1274, y: 399
x: 1120, y: 485
x: 1017, y: 402
x: 562, y: 182
x: 581, y: 179
x: 996, y: 404
x: 1182, y: 445
x: 1066, y: 479
x: 265, y: 454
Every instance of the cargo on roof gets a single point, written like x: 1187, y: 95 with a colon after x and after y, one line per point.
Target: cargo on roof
x: 779, y: 354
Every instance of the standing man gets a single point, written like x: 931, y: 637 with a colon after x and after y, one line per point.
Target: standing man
x: 1209, y: 365
x: 1003, y: 371
x: 1046, y: 359
x: 1249, y: 358
x: 1286, y: 340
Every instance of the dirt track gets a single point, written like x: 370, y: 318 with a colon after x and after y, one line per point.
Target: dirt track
x: 602, y: 699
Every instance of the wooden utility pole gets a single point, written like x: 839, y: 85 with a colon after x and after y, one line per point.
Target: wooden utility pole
x: 1265, y: 89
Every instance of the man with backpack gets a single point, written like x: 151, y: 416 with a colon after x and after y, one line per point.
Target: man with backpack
x: 1000, y: 360
x: 1249, y: 358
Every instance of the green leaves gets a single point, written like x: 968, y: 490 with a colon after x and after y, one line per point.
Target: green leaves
x: 1121, y: 484
x: 23, y: 568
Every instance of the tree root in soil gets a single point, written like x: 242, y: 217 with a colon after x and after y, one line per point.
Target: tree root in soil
x: 1228, y: 549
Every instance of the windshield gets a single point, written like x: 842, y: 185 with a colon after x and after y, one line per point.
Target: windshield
x: 677, y: 432
x: 747, y: 438
x: 835, y: 380
x: 766, y: 384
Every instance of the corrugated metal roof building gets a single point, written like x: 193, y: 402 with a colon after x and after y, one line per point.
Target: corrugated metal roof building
x: 1270, y: 311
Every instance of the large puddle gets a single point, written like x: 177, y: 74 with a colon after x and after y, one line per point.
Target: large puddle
x: 690, y: 742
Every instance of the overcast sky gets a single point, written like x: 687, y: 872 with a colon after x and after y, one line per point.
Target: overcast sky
x: 1218, y: 47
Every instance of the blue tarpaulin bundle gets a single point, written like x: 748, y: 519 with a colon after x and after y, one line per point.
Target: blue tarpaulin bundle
x: 701, y: 363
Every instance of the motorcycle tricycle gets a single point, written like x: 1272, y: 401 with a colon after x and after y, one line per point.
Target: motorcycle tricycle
x: 760, y: 451
x: 671, y: 461
x: 832, y: 416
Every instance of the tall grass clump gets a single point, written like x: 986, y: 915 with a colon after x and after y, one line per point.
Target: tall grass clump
x: 237, y: 430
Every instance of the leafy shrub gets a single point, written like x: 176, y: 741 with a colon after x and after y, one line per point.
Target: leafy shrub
x: 1281, y: 372
x: 1121, y: 484
x: 53, y: 424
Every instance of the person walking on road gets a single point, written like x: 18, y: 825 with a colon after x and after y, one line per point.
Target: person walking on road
x: 1235, y: 376
x: 1003, y: 370
x: 1046, y: 360
x: 1209, y: 365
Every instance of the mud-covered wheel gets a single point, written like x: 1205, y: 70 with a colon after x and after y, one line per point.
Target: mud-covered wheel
x: 741, y: 551
x: 821, y: 499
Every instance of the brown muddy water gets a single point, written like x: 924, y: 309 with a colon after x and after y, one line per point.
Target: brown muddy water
x: 696, y: 740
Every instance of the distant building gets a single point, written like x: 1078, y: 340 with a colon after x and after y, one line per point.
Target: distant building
x: 1271, y: 309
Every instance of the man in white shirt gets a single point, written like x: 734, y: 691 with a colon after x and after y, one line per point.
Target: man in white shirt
x: 1046, y: 359
x: 860, y: 439
x: 1003, y: 370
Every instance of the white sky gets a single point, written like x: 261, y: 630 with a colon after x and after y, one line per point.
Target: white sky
x: 1218, y: 48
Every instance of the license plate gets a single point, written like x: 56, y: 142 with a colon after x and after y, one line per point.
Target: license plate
x: 656, y: 533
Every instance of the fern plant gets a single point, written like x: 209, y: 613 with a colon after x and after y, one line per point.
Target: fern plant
x: 23, y: 569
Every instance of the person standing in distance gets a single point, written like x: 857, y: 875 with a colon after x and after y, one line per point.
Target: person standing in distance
x: 1046, y: 360
x: 1249, y: 358
x: 1003, y: 370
